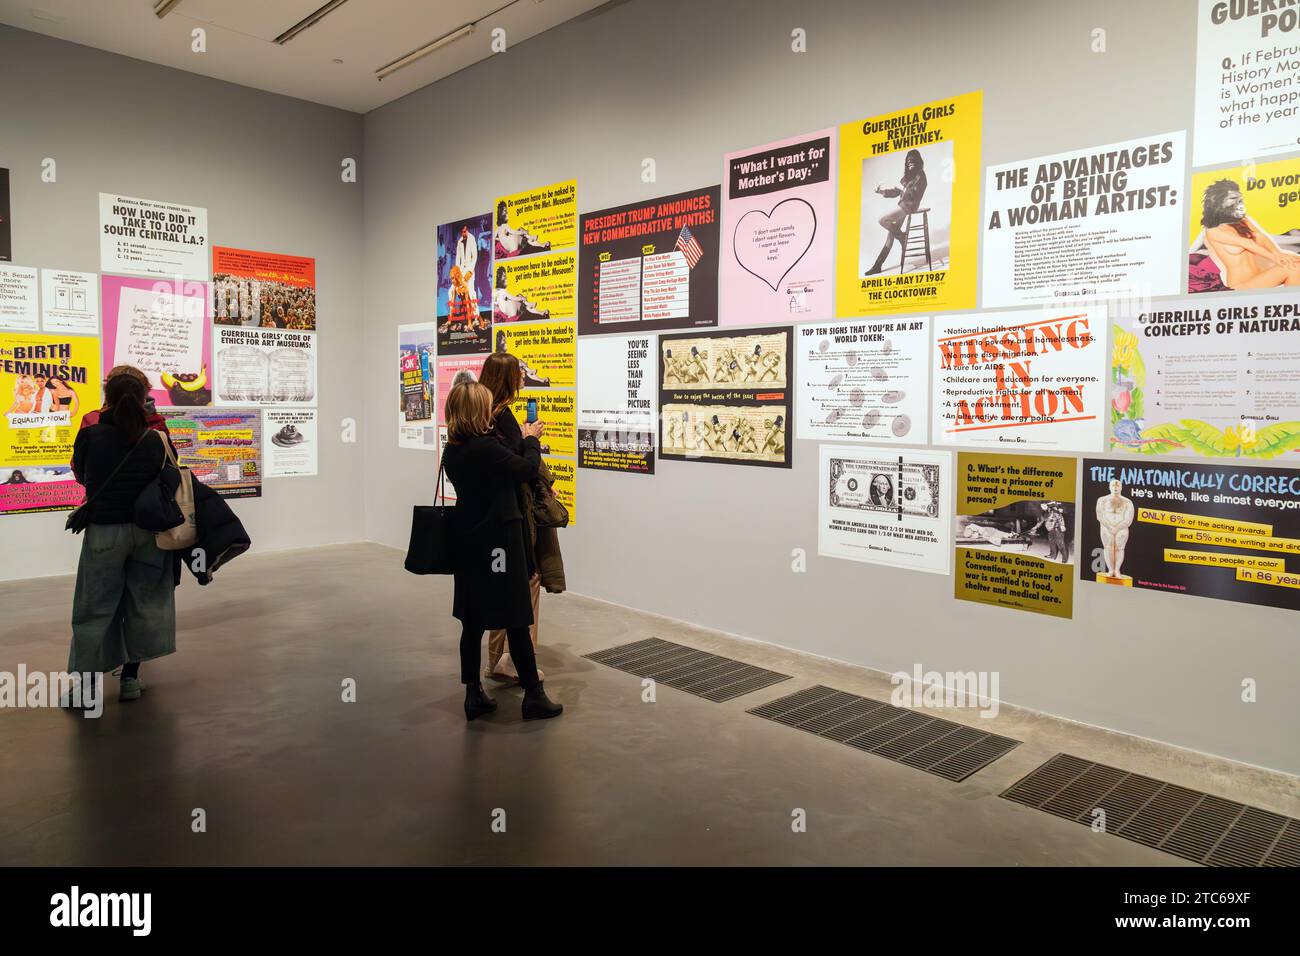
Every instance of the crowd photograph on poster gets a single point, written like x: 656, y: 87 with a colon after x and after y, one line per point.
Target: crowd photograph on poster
x: 1014, y: 308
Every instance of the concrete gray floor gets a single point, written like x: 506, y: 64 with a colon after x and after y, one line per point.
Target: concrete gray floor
x: 247, y: 722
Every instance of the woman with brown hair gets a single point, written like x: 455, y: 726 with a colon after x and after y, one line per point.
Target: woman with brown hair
x: 494, y: 563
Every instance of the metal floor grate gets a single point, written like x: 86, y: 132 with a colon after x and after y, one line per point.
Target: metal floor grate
x: 937, y: 746
x: 1187, y: 823
x: 695, y: 672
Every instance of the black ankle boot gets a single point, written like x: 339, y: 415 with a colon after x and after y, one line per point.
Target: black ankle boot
x: 477, y: 703
x: 537, y: 706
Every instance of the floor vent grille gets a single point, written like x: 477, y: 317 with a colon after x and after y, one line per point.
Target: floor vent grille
x: 941, y: 747
x: 684, y: 668
x: 1186, y: 823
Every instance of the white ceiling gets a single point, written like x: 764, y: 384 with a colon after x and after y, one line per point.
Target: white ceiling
x: 364, y: 34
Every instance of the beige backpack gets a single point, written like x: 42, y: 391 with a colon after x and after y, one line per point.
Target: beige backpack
x: 185, y: 534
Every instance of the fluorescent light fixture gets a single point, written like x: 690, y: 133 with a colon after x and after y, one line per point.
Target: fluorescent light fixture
x: 424, y: 51
x: 164, y: 7
x: 309, y: 21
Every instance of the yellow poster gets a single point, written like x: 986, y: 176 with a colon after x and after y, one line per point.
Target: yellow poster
x: 47, y: 382
x: 909, y: 209
x: 558, y: 410
x: 565, y: 472
x: 535, y: 289
x: 546, y: 350
x: 536, y: 220
x: 1243, y: 228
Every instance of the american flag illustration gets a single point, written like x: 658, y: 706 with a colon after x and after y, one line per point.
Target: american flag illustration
x: 690, y: 247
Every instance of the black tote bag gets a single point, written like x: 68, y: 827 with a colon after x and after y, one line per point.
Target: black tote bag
x: 432, y: 549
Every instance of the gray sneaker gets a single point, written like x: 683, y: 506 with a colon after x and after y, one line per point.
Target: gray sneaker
x: 130, y: 689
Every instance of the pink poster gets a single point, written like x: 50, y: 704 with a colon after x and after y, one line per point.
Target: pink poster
x: 163, y: 328
x: 448, y: 368
x: 778, y: 232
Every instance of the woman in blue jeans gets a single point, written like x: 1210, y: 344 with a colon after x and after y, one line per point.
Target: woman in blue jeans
x: 124, y: 609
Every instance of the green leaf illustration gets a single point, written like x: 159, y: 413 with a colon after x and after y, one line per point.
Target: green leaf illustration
x: 1274, y: 440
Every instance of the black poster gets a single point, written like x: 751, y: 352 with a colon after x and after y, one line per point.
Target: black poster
x: 727, y: 396
x: 6, y: 237
x: 651, y: 265
x: 1221, y: 531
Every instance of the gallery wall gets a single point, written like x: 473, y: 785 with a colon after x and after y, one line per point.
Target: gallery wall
x: 267, y: 169
x: 682, y: 83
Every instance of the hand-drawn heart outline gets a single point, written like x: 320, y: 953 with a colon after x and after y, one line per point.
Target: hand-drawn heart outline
x: 768, y: 215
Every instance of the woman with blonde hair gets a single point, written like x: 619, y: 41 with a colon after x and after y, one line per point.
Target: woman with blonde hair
x: 494, y: 562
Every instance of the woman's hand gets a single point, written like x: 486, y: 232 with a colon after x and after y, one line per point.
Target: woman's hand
x: 534, y: 429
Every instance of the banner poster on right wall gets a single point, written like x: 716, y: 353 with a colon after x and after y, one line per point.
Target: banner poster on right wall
x: 778, y: 236
x: 1245, y: 228
x: 1015, y: 532
x: 726, y: 397
x: 1247, y: 84
x: 1032, y: 379
x: 1215, y: 530
x: 909, y: 209
x: 1208, y: 378
x: 1095, y: 223
x: 464, y: 281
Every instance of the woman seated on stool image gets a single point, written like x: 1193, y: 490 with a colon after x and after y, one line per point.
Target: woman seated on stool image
x: 494, y: 564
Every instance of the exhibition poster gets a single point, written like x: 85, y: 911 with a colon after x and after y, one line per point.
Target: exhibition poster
x: 70, y: 302
x: 48, y: 381
x: 452, y: 370
x: 651, y: 265
x: 1216, y: 378
x: 726, y: 396
x: 1214, y: 530
x: 1027, y: 379
x: 28, y: 489
x: 290, y: 442
x: 547, y: 351
x: 536, y: 289
x: 152, y: 238
x: 1096, y: 223
x: 20, y: 309
x: 164, y: 329
x: 265, y: 289
x: 559, y: 411
x: 265, y: 367
x: 536, y: 220
x: 565, y: 477
x: 884, y: 506
x: 1015, y: 532
x: 416, y: 378
x: 909, y: 209
x: 222, y: 447
x: 1247, y: 80
x: 864, y: 380
x: 6, y: 228
x: 778, y: 231
x: 616, y: 403
x: 1245, y: 228
x: 464, y: 262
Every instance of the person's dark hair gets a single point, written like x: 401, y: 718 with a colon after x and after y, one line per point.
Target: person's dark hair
x: 124, y: 397
x: 500, y: 376
x: 502, y: 216
x: 501, y: 277
x: 1212, y: 211
x: 913, y: 165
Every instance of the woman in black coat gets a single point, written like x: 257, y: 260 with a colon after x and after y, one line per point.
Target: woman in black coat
x: 494, y: 563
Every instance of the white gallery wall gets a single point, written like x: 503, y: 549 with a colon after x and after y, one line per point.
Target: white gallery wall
x: 684, y: 81
x: 266, y: 167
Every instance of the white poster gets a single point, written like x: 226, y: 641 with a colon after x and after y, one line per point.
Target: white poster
x: 289, y: 438
x: 1208, y: 379
x: 264, y: 367
x: 70, y: 302
x: 885, y: 506
x: 863, y: 380
x: 1015, y: 381
x: 1097, y: 223
x: 1247, y: 80
x: 151, y: 238
x: 19, y: 307
x: 616, y: 403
